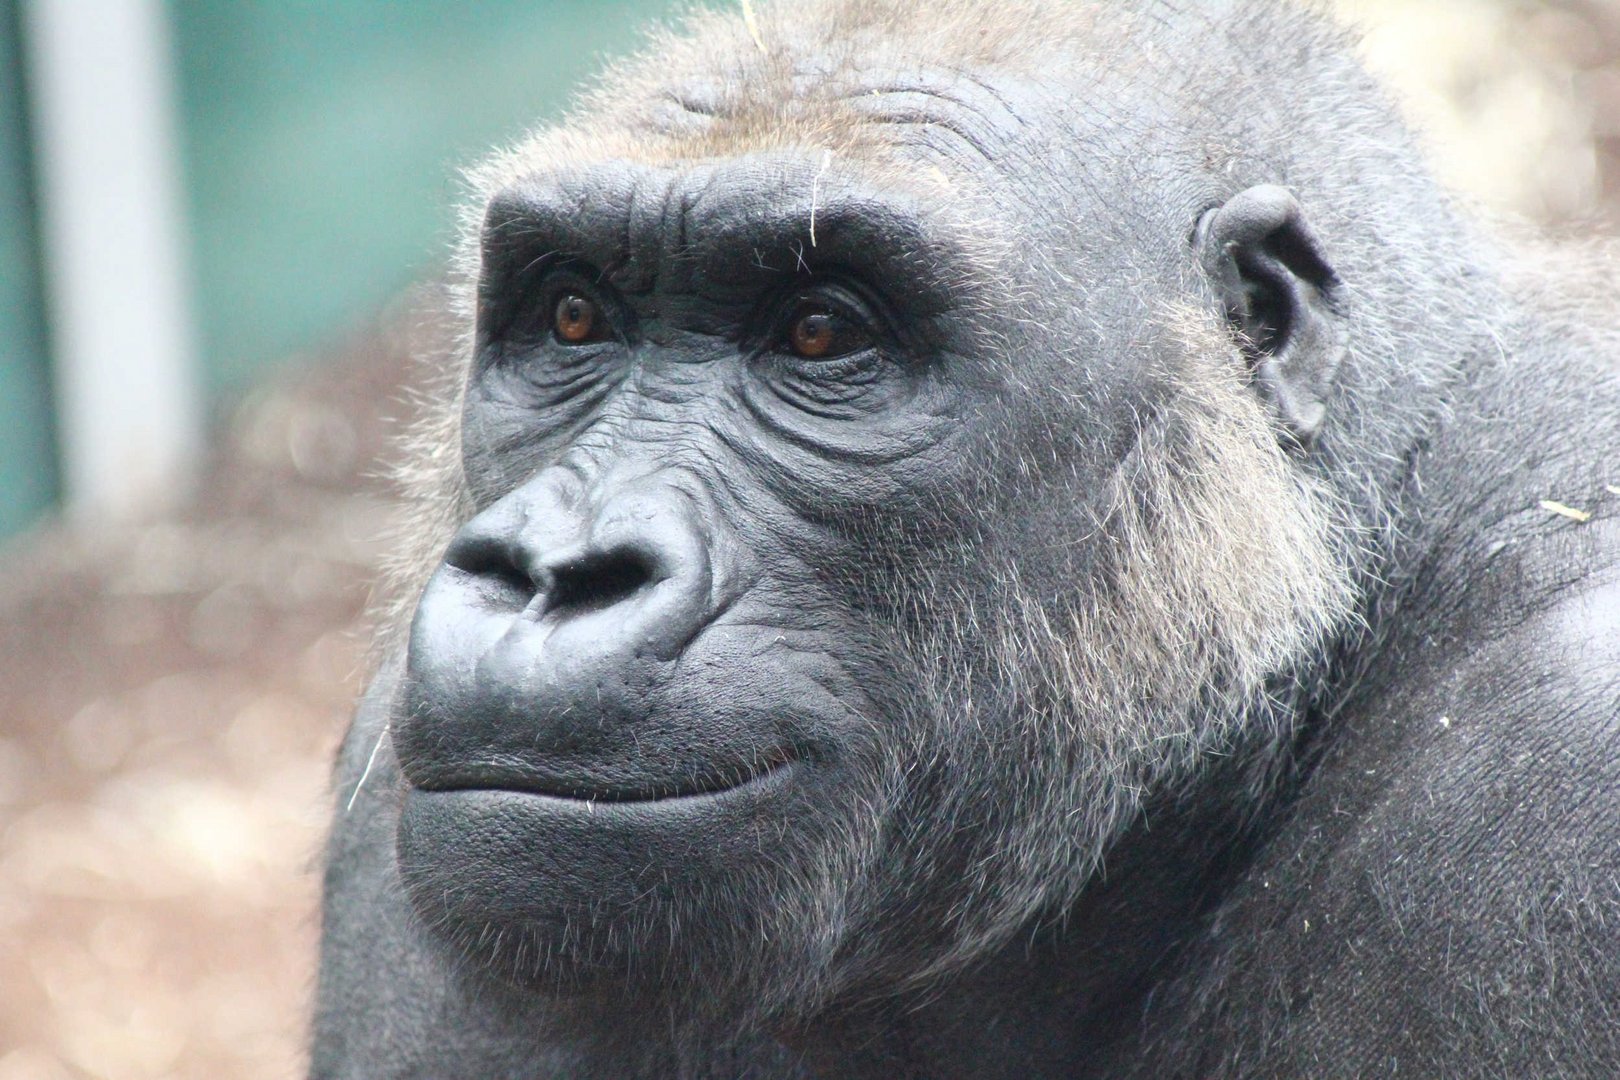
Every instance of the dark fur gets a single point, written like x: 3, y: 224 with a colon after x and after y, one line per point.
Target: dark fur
x: 1183, y: 750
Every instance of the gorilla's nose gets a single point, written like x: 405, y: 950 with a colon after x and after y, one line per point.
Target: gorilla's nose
x: 627, y: 573
x: 544, y: 641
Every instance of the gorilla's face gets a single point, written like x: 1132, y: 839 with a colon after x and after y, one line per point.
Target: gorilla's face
x: 661, y: 691
x: 827, y: 605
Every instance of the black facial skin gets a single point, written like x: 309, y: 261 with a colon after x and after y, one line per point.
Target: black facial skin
x: 1056, y: 588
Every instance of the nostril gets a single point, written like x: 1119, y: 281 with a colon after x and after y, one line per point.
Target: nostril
x: 598, y: 581
x: 490, y: 561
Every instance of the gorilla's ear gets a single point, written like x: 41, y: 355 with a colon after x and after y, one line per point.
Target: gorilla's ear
x: 1269, y: 269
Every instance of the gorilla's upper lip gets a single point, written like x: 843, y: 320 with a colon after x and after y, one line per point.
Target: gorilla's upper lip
x: 708, y: 782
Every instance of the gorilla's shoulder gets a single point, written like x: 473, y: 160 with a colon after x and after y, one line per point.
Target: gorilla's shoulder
x: 1491, y: 744
x: 1446, y: 884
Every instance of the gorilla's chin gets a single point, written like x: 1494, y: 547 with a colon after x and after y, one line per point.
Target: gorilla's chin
x: 562, y: 894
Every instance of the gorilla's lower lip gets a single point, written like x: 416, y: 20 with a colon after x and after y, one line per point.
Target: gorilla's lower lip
x: 521, y: 859
x: 544, y: 787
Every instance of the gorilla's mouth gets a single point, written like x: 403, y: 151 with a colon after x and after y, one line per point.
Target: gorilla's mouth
x: 697, y: 785
x: 588, y: 873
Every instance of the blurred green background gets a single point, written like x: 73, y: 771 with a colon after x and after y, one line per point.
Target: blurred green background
x: 321, y: 144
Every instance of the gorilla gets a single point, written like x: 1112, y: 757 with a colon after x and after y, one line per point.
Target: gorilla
x: 994, y: 538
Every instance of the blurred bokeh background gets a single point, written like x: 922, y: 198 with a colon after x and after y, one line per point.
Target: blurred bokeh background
x: 217, y: 219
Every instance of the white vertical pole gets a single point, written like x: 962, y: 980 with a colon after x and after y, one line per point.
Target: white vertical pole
x: 104, y: 131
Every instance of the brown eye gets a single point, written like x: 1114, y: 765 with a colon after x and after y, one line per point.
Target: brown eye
x: 576, y: 319
x: 818, y: 333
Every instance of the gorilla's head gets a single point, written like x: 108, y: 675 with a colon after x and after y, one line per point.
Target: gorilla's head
x: 893, y: 454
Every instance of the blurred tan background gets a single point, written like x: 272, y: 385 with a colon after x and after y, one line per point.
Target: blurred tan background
x: 172, y: 687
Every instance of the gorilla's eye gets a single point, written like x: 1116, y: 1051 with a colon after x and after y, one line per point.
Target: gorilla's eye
x: 818, y: 332
x: 576, y: 320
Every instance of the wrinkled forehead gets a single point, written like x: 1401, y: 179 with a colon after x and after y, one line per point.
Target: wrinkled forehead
x: 923, y: 129
x: 841, y: 71
x: 938, y: 91
x: 958, y: 122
